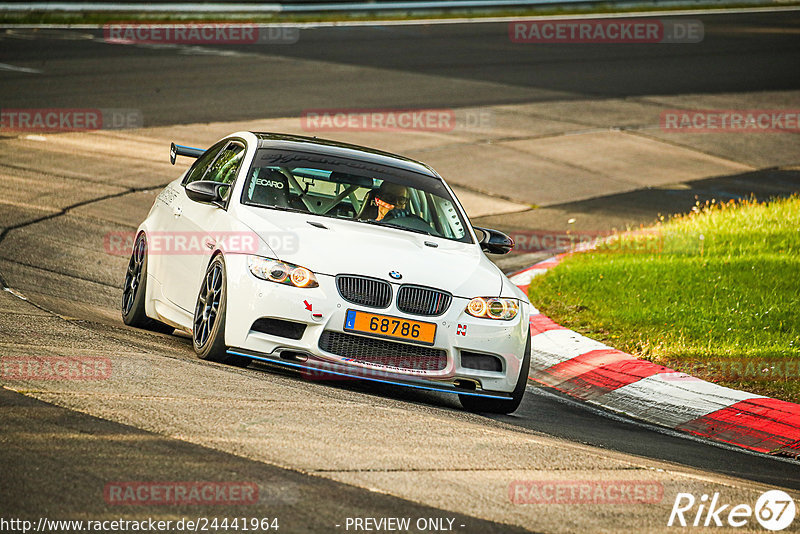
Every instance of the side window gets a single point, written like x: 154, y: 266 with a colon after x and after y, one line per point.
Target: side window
x: 200, y: 166
x: 225, y: 167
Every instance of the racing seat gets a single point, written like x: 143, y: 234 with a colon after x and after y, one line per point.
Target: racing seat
x: 368, y: 210
x: 270, y: 188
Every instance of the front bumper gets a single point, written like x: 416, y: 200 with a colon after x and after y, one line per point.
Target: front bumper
x: 318, y: 369
x: 323, y: 309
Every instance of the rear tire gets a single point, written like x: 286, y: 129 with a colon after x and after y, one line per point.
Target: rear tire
x: 208, y: 327
x: 502, y: 406
x: 133, y: 294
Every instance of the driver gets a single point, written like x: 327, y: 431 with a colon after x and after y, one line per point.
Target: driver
x: 386, y: 198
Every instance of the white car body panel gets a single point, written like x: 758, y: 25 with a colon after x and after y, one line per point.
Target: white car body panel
x: 342, y: 247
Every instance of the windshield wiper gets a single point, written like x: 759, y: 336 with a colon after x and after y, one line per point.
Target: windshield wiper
x: 390, y: 225
x: 415, y: 230
x: 283, y: 208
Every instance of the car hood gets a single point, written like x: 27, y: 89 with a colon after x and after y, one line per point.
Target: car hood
x: 331, y: 246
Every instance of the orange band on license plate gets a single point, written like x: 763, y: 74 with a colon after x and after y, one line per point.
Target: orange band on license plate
x: 391, y: 327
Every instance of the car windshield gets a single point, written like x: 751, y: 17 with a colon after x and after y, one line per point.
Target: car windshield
x: 353, y: 190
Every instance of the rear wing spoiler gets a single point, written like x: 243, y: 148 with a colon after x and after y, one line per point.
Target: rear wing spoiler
x: 180, y: 150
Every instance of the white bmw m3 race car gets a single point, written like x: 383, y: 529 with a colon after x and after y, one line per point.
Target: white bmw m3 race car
x: 333, y: 259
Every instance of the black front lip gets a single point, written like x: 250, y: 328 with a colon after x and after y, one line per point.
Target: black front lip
x: 384, y: 377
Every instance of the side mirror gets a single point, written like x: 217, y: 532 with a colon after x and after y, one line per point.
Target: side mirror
x: 206, y: 191
x: 494, y: 241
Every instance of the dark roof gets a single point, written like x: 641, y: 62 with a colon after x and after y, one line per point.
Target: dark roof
x: 345, y: 150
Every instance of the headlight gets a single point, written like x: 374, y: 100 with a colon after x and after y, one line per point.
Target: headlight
x: 281, y: 272
x: 493, y: 308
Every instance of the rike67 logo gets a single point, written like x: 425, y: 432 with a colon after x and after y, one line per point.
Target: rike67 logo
x: 774, y: 510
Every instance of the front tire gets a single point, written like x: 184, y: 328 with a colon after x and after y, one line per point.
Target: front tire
x: 502, y: 406
x: 133, y: 294
x: 208, y: 327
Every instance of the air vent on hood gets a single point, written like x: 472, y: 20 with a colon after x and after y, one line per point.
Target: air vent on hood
x: 317, y: 224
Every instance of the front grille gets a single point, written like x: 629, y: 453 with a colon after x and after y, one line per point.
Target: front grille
x: 420, y: 300
x: 381, y: 352
x: 364, y: 291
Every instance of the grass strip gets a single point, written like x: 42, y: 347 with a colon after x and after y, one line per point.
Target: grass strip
x: 714, y: 293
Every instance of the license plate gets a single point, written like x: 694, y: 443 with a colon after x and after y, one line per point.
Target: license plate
x: 391, y: 327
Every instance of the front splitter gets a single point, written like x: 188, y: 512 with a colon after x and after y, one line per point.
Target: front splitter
x: 333, y: 370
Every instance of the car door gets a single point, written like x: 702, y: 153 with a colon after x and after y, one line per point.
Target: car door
x: 200, y: 224
x: 173, y: 225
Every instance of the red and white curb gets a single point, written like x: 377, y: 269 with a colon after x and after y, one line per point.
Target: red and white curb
x: 614, y: 380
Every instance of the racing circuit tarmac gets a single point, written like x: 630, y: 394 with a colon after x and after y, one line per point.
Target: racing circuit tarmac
x: 573, y: 130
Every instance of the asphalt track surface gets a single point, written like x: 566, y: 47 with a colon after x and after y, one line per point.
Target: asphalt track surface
x: 387, y: 67
x: 452, y: 65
